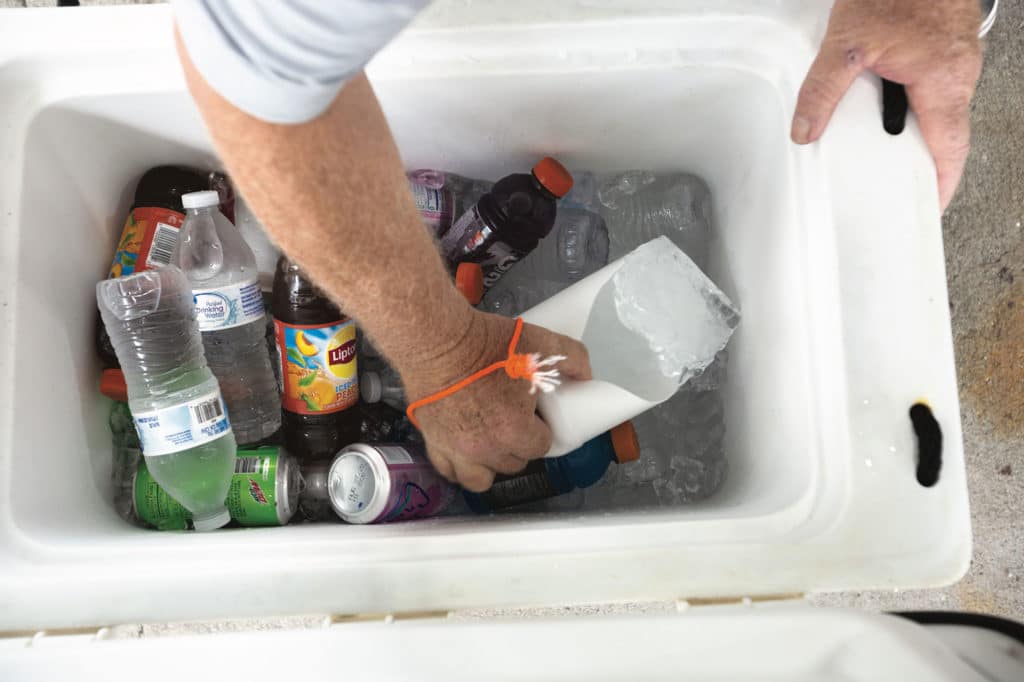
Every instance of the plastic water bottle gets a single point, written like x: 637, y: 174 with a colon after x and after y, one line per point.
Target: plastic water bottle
x: 516, y: 296
x: 441, y: 197
x: 126, y: 456
x: 255, y: 236
x: 229, y: 307
x: 553, y: 476
x: 639, y: 206
x: 264, y: 491
x: 382, y: 385
x: 174, y: 399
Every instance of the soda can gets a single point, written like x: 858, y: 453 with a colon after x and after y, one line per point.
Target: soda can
x: 265, y: 488
x: 384, y: 483
x: 264, y: 492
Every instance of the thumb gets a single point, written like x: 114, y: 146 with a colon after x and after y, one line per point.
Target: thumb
x: 539, y: 340
x: 830, y: 76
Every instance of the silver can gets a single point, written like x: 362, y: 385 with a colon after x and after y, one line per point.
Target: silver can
x: 383, y: 483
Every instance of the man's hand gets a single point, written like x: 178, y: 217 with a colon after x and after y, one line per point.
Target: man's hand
x: 491, y: 425
x: 930, y: 46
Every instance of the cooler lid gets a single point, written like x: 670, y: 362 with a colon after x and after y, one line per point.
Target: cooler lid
x: 774, y: 643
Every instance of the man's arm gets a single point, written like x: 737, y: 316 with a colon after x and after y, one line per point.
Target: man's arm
x: 332, y: 194
x: 930, y: 46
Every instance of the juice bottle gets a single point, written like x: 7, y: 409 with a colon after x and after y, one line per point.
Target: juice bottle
x: 150, y: 231
x: 316, y: 346
x: 509, y: 221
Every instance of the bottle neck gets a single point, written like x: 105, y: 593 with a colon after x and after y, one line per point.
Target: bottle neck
x: 586, y: 465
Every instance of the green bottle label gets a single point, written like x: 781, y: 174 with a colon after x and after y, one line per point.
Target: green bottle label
x: 251, y: 500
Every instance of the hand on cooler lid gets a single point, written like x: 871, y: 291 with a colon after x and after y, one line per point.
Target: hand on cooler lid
x: 930, y: 46
x: 490, y: 426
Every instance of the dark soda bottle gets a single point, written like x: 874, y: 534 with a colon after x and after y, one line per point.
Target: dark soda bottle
x: 316, y: 347
x: 507, y: 222
x: 150, y: 231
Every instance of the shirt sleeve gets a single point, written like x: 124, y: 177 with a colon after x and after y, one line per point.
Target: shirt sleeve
x: 284, y: 61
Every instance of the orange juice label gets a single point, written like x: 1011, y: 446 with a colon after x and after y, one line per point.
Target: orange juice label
x: 147, y: 241
x: 318, y: 364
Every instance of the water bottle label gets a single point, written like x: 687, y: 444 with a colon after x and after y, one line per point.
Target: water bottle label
x: 434, y: 205
x: 173, y: 429
x: 229, y: 306
x: 147, y: 241
x: 318, y: 366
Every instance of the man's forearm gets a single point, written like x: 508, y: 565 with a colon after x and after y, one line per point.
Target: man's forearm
x: 332, y: 194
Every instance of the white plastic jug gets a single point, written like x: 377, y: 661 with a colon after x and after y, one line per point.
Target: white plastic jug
x: 694, y: 320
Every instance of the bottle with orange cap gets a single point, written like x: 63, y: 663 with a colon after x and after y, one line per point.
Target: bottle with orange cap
x: 552, y: 476
x: 509, y: 221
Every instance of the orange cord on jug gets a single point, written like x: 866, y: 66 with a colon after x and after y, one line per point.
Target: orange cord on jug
x: 541, y: 373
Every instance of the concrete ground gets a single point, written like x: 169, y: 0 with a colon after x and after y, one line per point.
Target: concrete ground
x: 984, y: 241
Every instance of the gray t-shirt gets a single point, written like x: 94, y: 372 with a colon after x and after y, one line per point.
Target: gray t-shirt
x: 284, y: 61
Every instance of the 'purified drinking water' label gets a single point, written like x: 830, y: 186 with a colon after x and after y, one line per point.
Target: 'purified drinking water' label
x: 181, y: 427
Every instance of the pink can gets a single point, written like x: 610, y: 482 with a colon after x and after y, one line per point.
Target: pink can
x: 384, y: 483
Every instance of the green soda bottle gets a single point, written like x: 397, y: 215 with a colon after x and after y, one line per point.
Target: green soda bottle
x: 175, y: 401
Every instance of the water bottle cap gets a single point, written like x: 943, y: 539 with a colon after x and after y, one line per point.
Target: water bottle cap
x: 625, y: 443
x: 371, y: 387
x: 469, y: 279
x: 553, y: 176
x: 113, y: 386
x: 200, y: 199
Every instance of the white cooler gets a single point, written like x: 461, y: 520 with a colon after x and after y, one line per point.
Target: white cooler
x: 833, y: 252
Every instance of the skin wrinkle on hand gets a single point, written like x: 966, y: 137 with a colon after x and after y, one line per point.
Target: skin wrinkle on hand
x: 930, y: 47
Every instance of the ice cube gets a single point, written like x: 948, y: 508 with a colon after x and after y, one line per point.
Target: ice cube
x: 658, y: 318
x: 639, y: 206
x: 621, y: 188
x: 713, y: 376
x: 695, y: 480
x: 650, y: 467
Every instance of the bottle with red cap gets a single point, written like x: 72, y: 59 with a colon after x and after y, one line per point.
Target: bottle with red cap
x: 508, y: 222
x: 550, y: 477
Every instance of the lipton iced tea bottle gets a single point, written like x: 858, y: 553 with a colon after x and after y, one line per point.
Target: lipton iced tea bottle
x: 508, y: 221
x: 150, y: 231
x: 316, y: 345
